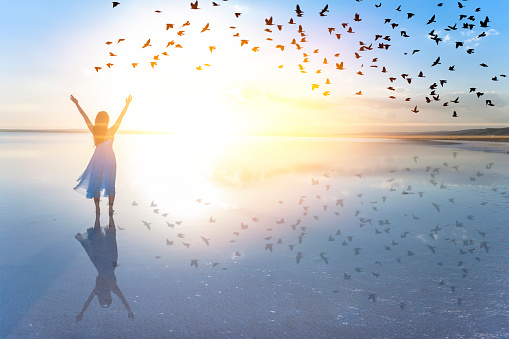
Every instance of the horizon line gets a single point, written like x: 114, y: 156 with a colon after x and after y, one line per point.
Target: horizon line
x: 447, y: 134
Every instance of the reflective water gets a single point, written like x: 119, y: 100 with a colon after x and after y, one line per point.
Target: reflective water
x: 255, y: 237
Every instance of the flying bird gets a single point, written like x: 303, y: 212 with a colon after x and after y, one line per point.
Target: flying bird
x: 324, y: 10
x: 206, y: 28
x: 299, y: 11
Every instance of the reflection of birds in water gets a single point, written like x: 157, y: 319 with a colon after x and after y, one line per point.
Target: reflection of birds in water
x: 324, y: 258
x: 447, y: 238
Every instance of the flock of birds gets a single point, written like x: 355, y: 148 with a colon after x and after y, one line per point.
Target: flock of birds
x: 467, y: 20
x: 351, y: 236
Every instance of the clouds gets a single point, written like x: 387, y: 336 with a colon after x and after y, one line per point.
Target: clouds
x: 476, y: 38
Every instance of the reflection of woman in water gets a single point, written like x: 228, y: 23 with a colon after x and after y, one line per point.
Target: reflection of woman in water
x: 98, y: 179
x: 100, y: 243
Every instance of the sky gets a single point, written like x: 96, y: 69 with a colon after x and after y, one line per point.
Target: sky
x: 247, y: 84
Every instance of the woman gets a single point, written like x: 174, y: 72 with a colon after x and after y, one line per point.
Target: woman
x: 98, y: 179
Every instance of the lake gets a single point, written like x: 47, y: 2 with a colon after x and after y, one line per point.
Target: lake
x: 227, y: 237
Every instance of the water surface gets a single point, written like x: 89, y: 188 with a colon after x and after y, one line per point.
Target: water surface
x: 255, y: 237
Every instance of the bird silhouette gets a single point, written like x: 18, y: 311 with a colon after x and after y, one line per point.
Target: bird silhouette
x: 147, y: 44
x: 147, y: 224
x: 206, y: 28
x: 299, y: 11
x: 324, y: 258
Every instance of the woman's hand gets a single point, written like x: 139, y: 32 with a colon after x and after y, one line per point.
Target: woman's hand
x: 73, y: 99
x: 128, y: 99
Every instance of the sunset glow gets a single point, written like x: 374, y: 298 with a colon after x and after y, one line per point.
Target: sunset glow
x: 223, y: 74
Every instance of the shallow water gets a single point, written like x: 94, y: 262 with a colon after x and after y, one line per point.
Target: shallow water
x: 421, y: 270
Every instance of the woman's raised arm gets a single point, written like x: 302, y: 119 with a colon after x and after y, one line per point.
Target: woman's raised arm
x: 83, y: 114
x: 115, y: 127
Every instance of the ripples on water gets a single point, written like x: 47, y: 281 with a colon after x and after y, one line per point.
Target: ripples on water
x: 306, y: 237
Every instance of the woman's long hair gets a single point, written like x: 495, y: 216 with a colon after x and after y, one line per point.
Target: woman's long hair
x: 101, y: 127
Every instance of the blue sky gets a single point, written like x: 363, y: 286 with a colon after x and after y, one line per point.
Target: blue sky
x: 50, y: 50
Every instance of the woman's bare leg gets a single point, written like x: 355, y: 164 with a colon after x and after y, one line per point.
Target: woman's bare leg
x: 111, y: 200
x: 97, y: 208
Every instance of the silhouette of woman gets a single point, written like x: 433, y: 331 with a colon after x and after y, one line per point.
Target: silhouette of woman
x: 100, y: 243
x: 98, y: 179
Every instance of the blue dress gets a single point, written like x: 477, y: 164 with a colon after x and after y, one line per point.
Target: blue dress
x: 98, y: 179
x: 101, y: 247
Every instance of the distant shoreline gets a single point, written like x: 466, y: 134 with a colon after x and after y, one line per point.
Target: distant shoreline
x: 72, y: 131
x: 406, y: 136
